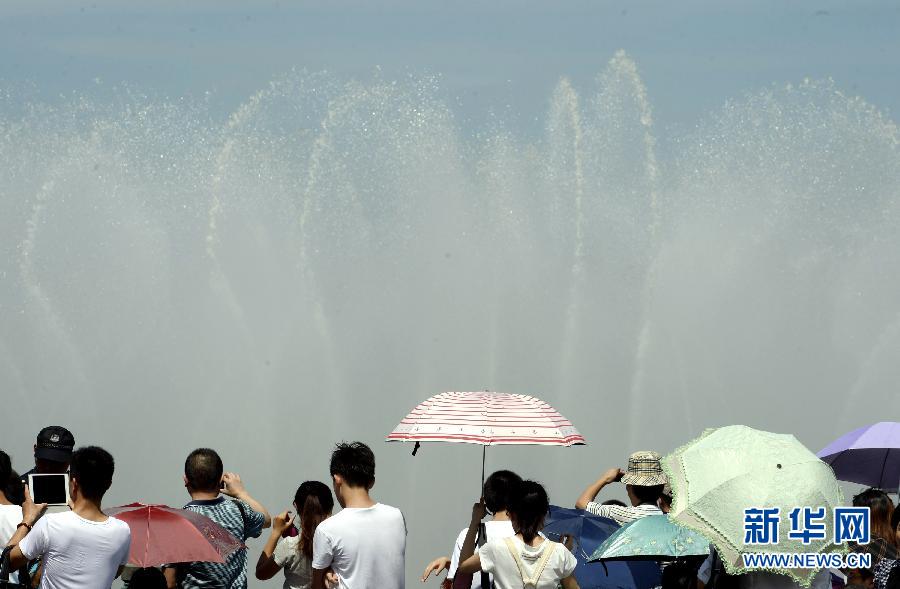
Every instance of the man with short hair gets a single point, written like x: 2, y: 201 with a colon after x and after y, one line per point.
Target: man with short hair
x: 644, y: 481
x: 80, y: 548
x: 52, y: 451
x: 243, y: 516
x: 365, y: 543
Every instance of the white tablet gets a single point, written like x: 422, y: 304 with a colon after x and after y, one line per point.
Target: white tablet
x: 52, y: 489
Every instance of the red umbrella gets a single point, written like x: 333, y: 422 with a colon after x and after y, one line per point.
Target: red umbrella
x: 162, y: 535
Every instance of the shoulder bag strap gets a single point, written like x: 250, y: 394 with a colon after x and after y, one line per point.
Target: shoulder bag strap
x: 240, y: 507
x: 482, y: 539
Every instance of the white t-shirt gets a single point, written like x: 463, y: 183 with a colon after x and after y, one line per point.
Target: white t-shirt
x: 297, y: 568
x: 497, y: 560
x: 10, y: 516
x: 77, y: 552
x: 495, y: 530
x: 366, y: 547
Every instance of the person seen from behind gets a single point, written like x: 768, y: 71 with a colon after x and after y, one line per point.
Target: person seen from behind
x: 365, y: 543
x: 527, y: 559
x: 10, y: 512
x: 147, y: 578
x: 313, y: 504
x: 242, y: 515
x: 80, y: 548
x: 883, y: 543
x: 644, y: 480
x: 497, y: 494
x: 52, y: 451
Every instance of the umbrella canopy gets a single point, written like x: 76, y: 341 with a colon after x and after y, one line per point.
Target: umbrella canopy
x: 727, y: 470
x: 654, y: 537
x: 162, y: 535
x: 869, y: 456
x: 486, y: 418
x: 588, y: 532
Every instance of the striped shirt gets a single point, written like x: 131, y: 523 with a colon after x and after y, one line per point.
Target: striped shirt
x: 238, y: 518
x: 623, y: 515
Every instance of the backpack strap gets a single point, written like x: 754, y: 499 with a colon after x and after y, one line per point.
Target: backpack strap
x: 539, y: 566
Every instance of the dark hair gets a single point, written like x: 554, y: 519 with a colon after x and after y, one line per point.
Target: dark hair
x: 355, y: 463
x: 498, y: 490
x: 203, y: 470
x: 5, y: 469
x: 647, y: 494
x: 10, y: 484
x: 147, y: 578
x: 314, y: 503
x: 528, y: 509
x: 614, y: 502
x: 881, y: 508
x: 92, y: 468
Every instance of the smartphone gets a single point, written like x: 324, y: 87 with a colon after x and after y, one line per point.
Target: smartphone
x: 52, y: 489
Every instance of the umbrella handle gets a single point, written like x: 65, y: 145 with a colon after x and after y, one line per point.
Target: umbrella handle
x: 416, y: 448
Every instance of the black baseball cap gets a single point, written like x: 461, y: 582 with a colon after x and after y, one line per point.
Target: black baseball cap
x: 54, y: 443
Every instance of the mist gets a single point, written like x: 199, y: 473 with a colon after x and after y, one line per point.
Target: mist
x: 310, y: 267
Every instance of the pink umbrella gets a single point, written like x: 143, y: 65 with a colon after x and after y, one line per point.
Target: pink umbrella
x: 163, y: 535
x: 488, y: 419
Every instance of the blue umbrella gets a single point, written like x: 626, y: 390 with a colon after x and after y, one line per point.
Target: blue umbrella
x: 588, y: 532
x: 654, y: 537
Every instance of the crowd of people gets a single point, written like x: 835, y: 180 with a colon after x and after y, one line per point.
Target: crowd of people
x: 363, y: 545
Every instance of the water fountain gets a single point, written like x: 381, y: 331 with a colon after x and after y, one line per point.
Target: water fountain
x: 334, y: 252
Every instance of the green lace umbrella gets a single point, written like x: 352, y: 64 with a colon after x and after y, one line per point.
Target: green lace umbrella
x: 727, y: 470
x: 654, y: 537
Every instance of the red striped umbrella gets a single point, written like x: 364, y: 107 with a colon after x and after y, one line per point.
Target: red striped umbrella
x: 488, y: 419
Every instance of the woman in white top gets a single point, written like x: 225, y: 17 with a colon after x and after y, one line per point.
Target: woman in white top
x: 314, y: 503
x: 526, y: 560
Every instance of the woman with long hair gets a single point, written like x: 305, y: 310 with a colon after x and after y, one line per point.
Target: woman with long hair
x: 527, y: 559
x: 313, y: 503
x: 883, y: 542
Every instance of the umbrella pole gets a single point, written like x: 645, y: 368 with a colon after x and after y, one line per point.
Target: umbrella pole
x: 483, y: 453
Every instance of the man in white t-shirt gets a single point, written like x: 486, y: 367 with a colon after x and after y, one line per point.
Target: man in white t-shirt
x: 364, y: 545
x: 644, y: 481
x: 80, y: 548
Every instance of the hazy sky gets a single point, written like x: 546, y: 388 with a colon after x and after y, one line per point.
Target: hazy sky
x: 491, y: 56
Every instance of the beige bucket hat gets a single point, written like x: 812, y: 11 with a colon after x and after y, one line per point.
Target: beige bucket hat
x: 644, y: 470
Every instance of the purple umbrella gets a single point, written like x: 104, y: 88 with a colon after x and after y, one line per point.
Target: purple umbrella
x: 869, y: 456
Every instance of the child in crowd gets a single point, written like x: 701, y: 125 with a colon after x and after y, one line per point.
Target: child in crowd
x: 526, y: 559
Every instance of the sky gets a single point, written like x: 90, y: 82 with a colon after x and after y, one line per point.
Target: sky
x: 167, y: 284
x: 490, y: 57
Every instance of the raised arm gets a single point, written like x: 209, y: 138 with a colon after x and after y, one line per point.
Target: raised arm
x: 469, y: 566
x: 610, y: 476
x: 234, y: 487
x: 463, y: 577
x: 266, y: 567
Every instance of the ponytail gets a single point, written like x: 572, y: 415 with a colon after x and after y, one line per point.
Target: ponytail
x: 314, y: 503
x: 528, y: 508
